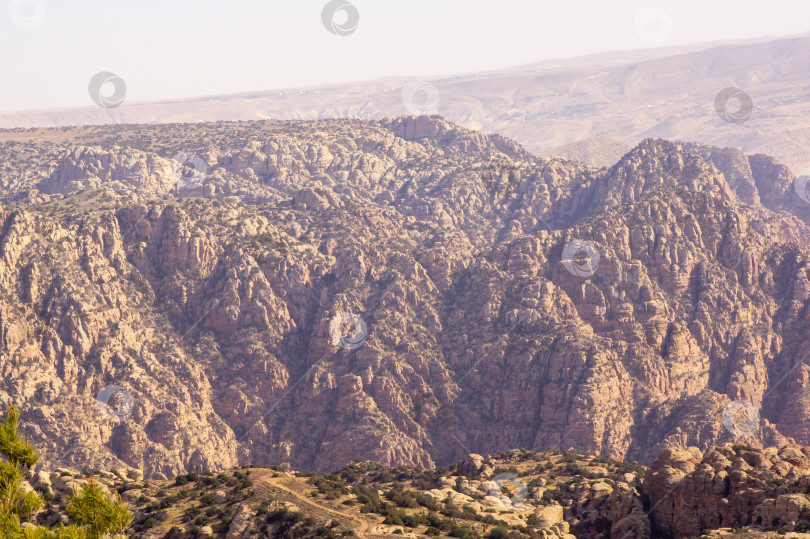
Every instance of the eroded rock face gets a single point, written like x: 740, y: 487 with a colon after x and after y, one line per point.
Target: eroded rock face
x: 482, y: 328
x: 730, y: 486
x: 123, y: 169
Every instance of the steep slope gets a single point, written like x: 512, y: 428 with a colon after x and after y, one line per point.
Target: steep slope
x: 406, y: 291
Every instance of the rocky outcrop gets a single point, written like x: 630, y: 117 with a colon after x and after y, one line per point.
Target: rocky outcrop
x: 730, y: 486
x: 404, y: 291
x: 128, y: 172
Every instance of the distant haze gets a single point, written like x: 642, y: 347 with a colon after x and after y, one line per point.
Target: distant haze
x: 589, y: 109
x: 50, y: 49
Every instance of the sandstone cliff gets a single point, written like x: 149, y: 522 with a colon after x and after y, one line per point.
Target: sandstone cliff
x: 406, y: 291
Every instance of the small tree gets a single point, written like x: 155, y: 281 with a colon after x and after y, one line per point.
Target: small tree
x: 97, y: 512
x: 19, y: 457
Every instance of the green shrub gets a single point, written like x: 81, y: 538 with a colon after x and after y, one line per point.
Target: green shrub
x: 331, y: 486
x: 97, y: 512
x: 91, y: 508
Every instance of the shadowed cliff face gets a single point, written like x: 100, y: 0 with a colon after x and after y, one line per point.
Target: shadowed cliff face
x: 404, y: 291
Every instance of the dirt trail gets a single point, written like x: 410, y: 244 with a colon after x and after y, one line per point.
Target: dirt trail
x: 276, y: 482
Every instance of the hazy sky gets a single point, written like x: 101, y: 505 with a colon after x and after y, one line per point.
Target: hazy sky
x: 50, y: 49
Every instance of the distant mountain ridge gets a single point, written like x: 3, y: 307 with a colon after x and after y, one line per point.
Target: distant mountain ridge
x: 668, y: 93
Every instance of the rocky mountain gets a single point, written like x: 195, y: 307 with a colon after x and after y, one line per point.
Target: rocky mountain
x: 181, y: 298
